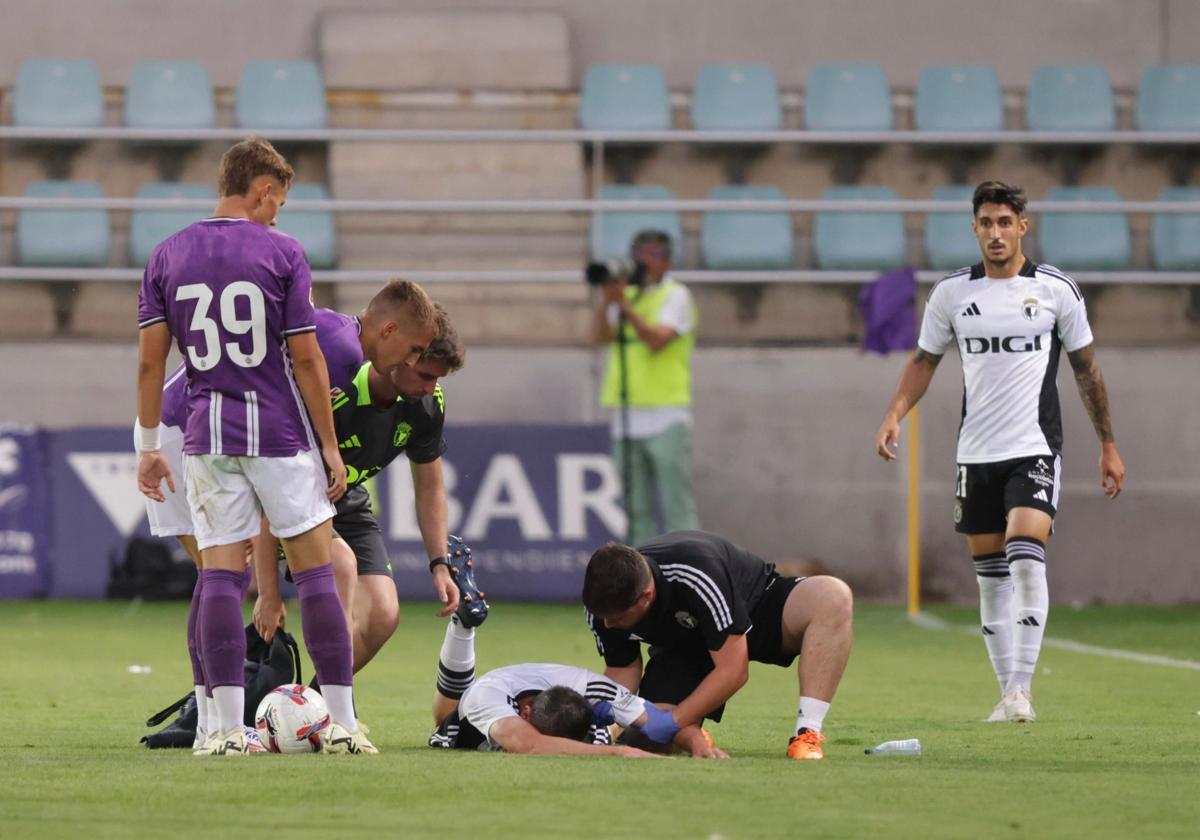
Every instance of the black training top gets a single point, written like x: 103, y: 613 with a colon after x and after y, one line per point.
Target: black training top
x: 706, y: 587
x: 370, y: 438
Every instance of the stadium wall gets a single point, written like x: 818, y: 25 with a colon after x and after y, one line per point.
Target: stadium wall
x: 790, y: 35
x: 784, y: 461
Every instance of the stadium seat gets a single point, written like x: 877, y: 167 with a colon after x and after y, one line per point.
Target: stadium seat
x: 1168, y: 98
x: 736, y: 97
x: 732, y: 239
x: 959, y: 97
x: 77, y: 238
x: 613, y: 232
x: 949, y: 240
x: 281, y: 94
x: 314, y: 228
x: 859, y: 240
x: 58, y: 93
x: 1176, y: 236
x: 847, y: 97
x: 1084, y: 241
x: 1070, y: 97
x: 169, y: 94
x: 147, y: 228
x: 629, y: 97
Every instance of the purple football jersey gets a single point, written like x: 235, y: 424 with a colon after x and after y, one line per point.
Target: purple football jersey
x: 337, y: 334
x: 231, y: 292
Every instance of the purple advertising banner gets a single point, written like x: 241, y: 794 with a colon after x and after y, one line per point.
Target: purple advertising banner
x: 24, y: 513
x: 96, y: 507
x: 533, y: 502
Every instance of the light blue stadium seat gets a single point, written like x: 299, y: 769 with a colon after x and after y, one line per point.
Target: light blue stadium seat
x: 847, y: 97
x: 281, y: 94
x: 859, y: 240
x: 1084, y: 241
x: 313, y: 228
x: 1070, y: 97
x: 169, y: 94
x: 1176, y: 236
x: 959, y: 97
x: 736, y: 97
x: 612, y: 233
x: 147, y: 228
x: 77, y: 238
x: 629, y: 97
x: 732, y: 239
x: 1168, y: 98
x: 58, y: 93
x: 949, y: 240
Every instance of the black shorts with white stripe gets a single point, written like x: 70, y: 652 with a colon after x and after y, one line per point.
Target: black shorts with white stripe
x: 985, y: 493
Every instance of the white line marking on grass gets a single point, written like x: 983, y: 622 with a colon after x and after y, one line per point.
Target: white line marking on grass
x: 932, y: 622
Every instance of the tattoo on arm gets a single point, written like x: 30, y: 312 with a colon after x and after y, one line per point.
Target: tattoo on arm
x: 1090, y: 381
x: 930, y: 359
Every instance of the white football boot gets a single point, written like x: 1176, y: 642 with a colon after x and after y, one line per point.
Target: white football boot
x: 232, y: 742
x: 999, y: 714
x: 337, y: 739
x: 1018, y: 706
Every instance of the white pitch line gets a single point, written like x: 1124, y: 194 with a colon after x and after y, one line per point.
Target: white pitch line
x: 932, y: 622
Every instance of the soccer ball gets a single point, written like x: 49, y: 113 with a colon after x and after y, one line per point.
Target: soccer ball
x: 291, y: 718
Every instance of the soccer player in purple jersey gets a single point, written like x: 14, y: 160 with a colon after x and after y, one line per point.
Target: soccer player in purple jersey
x: 236, y: 296
x: 390, y: 333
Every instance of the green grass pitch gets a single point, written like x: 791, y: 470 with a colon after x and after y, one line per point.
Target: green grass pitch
x: 1115, y: 754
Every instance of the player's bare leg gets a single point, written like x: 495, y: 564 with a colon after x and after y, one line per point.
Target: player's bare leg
x: 818, y: 623
x: 376, y: 616
x: 326, y: 633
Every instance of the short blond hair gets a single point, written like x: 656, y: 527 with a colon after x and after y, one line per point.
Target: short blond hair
x: 404, y: 299
x: 446, y: 347
x: 245, y: 161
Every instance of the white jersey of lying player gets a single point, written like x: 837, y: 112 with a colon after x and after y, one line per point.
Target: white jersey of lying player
x: 493, y: 696
x: 1009, y: 333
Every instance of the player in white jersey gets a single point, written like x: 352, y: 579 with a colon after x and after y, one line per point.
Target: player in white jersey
x: 1010, y: 318
x: 540, y: 708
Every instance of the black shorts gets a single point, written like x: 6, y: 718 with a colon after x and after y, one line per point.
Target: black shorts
x: 355, y: 522
x: 672, y: 674
x: 456, y: 733
x: 985, y: 493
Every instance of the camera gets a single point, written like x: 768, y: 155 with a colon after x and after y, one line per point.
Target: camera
x: 631, y: 271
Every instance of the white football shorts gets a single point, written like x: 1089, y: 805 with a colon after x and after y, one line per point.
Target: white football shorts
x: 172, y: 517
x: 229, y: 494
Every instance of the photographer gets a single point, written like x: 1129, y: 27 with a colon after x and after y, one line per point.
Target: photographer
x: 649, y: 322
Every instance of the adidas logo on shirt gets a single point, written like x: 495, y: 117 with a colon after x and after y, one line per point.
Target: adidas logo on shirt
x: 973, y: 309
x: 1041, y: 496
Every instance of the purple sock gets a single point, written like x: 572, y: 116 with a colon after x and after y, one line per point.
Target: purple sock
x: 222, y: 639
x: 193, y: 634
x: 325, y: 633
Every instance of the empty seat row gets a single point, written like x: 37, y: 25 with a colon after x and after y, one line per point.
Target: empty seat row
x: 65, y: 93
x: 856, y: 97
x: 80, y: 238
x: 753, y: 240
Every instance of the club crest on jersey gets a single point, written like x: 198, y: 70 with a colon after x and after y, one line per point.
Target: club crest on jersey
x: 686, y: 620
x: 1029, y: 308
x: 403, y: 430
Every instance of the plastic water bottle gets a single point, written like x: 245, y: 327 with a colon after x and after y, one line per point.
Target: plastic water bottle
x: 910, y: 746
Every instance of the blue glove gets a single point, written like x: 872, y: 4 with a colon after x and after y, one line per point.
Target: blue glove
x: 602, y: 713
x: 660, y: 725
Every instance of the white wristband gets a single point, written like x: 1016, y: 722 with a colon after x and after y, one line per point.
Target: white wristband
x: 147, y: 440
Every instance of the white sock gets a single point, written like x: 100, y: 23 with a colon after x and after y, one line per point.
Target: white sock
x: 811, y: 714
x: 1032, y: 602
x: 201, y: 711
x: 230, y: 702
x: 996, y: 613
x: 340, y: 701
x: 456, y: 662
